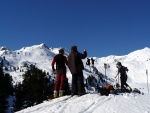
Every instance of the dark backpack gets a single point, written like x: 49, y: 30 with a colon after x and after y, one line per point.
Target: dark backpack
x: 126, y: 69
x: 123, y: 70
x: 60, y: 61
x: 60, y: 64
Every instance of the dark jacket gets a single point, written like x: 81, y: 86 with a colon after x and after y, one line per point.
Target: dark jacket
x: 75, y: 63
x: 122, y: 70
x: 60, y: 61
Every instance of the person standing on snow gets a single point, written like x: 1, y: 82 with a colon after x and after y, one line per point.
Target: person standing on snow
x: 92, y: 60
x: 60, y: 70
x: 123, y: 75
x: 76, y: 67
x: 88, y: 63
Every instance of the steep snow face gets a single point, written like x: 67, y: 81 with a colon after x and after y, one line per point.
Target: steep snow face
x: 137, y: 62
x: 140, y: 55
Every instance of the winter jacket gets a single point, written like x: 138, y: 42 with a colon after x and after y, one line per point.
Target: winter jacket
x: 75, y: 63
x: 122, y: 70
x: 60, y: 61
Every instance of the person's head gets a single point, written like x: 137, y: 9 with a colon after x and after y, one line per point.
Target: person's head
x: 61, y: 51
x: 74, y: 48
x: 118, y: 65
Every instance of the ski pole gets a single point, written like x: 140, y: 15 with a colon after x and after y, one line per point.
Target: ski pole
x: 105, y: 66
x: 147, y: 80
x: 118, y: 79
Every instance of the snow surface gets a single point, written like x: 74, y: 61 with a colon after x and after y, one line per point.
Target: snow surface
x: 94, y: 103
x: 41, y: 56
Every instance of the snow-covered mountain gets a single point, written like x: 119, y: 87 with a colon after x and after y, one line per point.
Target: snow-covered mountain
x: 41, y: 56
x: 137, y: 63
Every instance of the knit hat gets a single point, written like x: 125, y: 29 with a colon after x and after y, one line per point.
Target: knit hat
x: 61, y: 50
x: 119, y: 63
x: 74, y: 48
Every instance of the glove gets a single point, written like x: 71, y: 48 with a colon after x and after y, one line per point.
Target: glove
x: 54, y: 71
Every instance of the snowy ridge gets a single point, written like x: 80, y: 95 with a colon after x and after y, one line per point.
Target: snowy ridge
x: 41, y: 56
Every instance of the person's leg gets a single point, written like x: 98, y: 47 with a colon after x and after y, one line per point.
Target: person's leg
x: 81, y: 89
x: 56, y: 86
x: 122, y: 83
x: 126, y: 77
x: 127, y: 86
x: 62, y: 84
x: 74, y: 84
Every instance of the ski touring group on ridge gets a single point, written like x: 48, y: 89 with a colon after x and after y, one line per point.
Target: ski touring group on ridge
x: 76, y: 67
x: 74, y: 62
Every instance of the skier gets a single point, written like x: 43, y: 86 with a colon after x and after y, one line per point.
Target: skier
x: 123, y: 76
x: 88, y: 63
x: 76, y: 67
x: 92, y: 60
x: 60, y: 61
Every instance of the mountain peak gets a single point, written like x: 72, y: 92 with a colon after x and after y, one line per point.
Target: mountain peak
x: 3, y: 48
x: 43, y: 45
x: 146, y: 48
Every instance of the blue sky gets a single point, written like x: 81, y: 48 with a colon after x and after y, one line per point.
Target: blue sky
x: 103, y: 27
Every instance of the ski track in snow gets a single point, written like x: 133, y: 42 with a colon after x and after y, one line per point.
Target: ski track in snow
x: 47, y: 104
x: 98, y: 103
x: 94, y: 103
x: 69, y: 104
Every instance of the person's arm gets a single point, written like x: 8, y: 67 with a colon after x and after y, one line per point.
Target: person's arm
x: 66, y: 62
x: 84, y: 55
x: 117, y: 75
x: 117, y: 72
x: 53, y: 62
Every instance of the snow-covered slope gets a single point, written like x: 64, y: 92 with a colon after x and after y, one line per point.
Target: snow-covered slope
x: 137, y: 63
x: 41, y: 56
x: 94, y: 103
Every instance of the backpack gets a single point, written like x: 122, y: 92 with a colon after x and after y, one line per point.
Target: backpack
x: 106, y: 90
x: 109, y: 87
x: 123, y: 70
x: 60, y: 61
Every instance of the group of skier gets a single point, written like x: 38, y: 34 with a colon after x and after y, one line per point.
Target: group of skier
x: 89, y: 61
x: 75, y: 65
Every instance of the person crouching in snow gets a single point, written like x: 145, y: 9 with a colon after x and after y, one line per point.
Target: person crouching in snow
x: 61, y: 62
